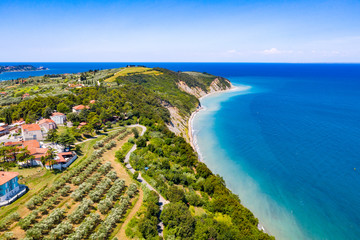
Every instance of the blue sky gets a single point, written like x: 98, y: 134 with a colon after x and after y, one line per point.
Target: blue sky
x: 180, y: 31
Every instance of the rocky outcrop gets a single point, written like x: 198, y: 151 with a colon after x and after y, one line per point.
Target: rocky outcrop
x: 196, y: 91
x: 179, y: 123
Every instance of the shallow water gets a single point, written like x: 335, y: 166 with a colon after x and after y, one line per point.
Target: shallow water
x: 289, y: 147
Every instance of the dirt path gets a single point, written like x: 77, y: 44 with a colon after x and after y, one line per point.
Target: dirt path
x: 121, y: 234
x: 162, y: 200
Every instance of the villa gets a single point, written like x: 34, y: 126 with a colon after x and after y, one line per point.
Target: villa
x: 47, y: 124
x: 10, y: 189
x: 59, y: 118
x: 63, y: 160
x: 79, y: 108
x: 31, y: 132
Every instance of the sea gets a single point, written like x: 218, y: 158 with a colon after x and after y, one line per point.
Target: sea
x: 286, y: 140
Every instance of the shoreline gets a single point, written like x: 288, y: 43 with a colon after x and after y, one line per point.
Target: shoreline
x: 192, y: 137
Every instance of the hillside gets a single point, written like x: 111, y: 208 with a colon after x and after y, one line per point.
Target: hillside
x: 198, y: 203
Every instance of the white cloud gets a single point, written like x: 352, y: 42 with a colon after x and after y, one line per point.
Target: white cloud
x: 272, y: 51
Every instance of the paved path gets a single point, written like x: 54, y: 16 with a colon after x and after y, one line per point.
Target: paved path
x: 162, y: 200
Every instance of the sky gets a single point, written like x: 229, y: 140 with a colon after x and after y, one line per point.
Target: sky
x: 179, y: 31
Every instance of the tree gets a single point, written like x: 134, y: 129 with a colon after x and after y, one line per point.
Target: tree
x: 52, y: 135
x: 135, y: 132
x: 47, y: 112
x: 141, y: 142
x: 49, y: 157
x: 66, y: 139
x: 24, y: 156
x: 175, y: 194
x: 8, y: 117
x: 178, y: 219
x: 61, y: 107
x: 119, y: 156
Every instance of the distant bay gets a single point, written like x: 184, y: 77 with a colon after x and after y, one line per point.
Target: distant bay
x: 289, y: 146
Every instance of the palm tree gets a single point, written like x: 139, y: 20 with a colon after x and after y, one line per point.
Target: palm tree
x: 49, y: 157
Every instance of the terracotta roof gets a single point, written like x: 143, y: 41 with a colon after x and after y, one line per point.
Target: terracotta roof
x: 92, y: 101
x: 63, y: 155
x: 2, y: 129
x: 79, y: 107
x: 13, y: 143
x: 7, y: 176
x: 31, y: 144
x: 31, y: 127
x: 42, y: 121
x: 57, y: 114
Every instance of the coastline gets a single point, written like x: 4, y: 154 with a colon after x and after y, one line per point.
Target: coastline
x: 192, y: 137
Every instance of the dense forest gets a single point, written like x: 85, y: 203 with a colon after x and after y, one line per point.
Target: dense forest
x: 201, y: 206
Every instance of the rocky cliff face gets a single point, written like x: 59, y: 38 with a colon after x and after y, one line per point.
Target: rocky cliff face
x: 179, y: 123
x: 215, y: 86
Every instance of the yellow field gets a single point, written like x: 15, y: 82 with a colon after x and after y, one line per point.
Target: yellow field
x: 133, y: 70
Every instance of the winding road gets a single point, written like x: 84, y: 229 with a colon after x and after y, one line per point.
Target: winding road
x: 162, y: 200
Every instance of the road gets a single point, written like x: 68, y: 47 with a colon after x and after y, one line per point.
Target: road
x: 162, y: 200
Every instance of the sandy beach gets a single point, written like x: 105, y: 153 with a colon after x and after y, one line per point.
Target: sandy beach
x: 192, y: 137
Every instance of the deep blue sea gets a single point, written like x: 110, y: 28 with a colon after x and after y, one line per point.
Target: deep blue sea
x: 288, y: 144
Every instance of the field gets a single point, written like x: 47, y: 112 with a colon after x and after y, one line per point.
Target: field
x: 133, y: 70
x: 88, y: 200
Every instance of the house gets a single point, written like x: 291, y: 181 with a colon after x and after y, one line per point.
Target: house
x: 47, y: 124
x: 79, y: 108
x: 25, y: 95
x: 81, y: 125
x: 4, y: 129
x: 34, y: 148
x: 63, y: 160
x: 92, y: 101
x: 10, y: 189
x: 59, y: 118
x: 31, y: 131
x: 19, y: 122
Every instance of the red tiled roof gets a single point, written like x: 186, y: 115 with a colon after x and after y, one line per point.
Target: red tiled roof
x: 79, y: 107
x: 92, y: 101
x: 31, y: 127
x: 62, y: 155
x: 13, y: 143
x: 57, y: 114
x: 2, y: 129
x: 31, y: 144
x: 42, y: 121
x: 7, y: 176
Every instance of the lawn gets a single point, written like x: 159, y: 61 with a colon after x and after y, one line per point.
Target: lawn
x: 133, y: 70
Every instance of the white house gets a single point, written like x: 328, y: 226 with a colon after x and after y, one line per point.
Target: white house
x: 31, y: 132
x: 59, y: 118
x: 47, y: 124
x: 79, y: 108
x: 10, y: 189
x: 63, y: 160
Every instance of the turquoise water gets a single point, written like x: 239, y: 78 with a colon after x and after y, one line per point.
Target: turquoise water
x: 289, y: 147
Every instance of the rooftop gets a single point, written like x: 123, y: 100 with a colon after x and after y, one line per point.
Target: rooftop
x: 31, y: 127
x: 42, y: 121
x: 7, y: 176
x: 57, y: 114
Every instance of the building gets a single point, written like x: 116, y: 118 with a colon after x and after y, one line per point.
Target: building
x: 10, y: 189
x: 47, y: 124
x: 79, y: 108
x: 92, y: 101
x: 25, y: 95
x: 59, y: 118
x: 31, y: 132
x: 81, y: 125
x: 63, y: 160
x: 34, y: 148
x: 4, y: 129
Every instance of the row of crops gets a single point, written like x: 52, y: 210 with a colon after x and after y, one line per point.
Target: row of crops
x: 87, y: 201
